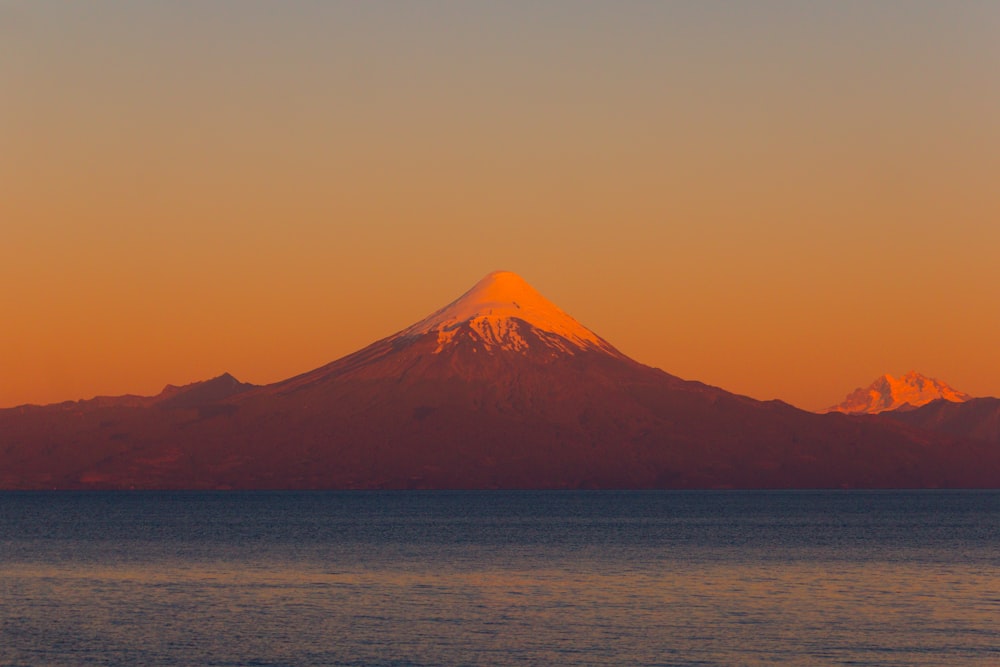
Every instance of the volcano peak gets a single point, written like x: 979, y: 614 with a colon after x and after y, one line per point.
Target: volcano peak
x: 494, y: 312
x: 498, y: 290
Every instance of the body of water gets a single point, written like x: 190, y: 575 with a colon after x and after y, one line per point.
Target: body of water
x: 500, y: 578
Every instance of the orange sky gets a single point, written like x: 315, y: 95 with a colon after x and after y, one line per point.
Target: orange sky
x: 782, y: 199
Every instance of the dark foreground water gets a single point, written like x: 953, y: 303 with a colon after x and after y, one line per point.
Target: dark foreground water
x: 497, y: 578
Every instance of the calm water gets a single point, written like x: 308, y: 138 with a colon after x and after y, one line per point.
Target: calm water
x: 498, y: 578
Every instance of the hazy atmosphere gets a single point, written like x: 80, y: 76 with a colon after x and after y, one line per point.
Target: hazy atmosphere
x: 783, y: 199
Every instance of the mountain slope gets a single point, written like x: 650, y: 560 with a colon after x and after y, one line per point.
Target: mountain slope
x: 889, y: 393
x: 977, y: 418
x: 499, y: 389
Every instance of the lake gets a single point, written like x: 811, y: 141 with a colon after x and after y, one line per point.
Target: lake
x: 500, y: 578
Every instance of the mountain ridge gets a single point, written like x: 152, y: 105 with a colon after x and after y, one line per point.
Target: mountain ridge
x: 976, y: 418
x: 447, y: 404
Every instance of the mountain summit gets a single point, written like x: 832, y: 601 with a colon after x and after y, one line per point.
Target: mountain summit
x: 889, y: 393
x: 503, y: 312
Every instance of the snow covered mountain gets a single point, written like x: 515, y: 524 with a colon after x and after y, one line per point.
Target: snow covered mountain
x: 888, y: 393
x: 503, y: 312
x: 498, y: 389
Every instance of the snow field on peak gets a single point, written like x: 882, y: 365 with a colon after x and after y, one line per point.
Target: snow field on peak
x: 890, y: 393
x: 493, y: 308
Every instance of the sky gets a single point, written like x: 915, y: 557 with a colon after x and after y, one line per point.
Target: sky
x: 783, y: 199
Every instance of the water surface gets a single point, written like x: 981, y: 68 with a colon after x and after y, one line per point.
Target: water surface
x: 500, y: 578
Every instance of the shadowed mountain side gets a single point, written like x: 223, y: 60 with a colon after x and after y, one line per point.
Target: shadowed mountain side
x: 375, y: 420
x: 51, y: 446
x: 201, y: 394
x: 978, y: 418
x: 194, y: 394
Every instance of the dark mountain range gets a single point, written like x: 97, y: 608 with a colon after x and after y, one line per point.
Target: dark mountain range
x: 977, y: 418
x: 201, y: 394
x: 500, y: 389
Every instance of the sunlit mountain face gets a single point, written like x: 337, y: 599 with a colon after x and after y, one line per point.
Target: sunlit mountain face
x: 889, y: 393
x: 500, y: 312
x: 498, y: 389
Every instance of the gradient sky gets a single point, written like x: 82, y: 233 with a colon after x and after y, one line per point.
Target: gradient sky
x: 784, y: 199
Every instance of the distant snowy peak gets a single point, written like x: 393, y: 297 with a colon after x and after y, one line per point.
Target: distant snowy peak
x: 889, y: 393
x: 503, y: 312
